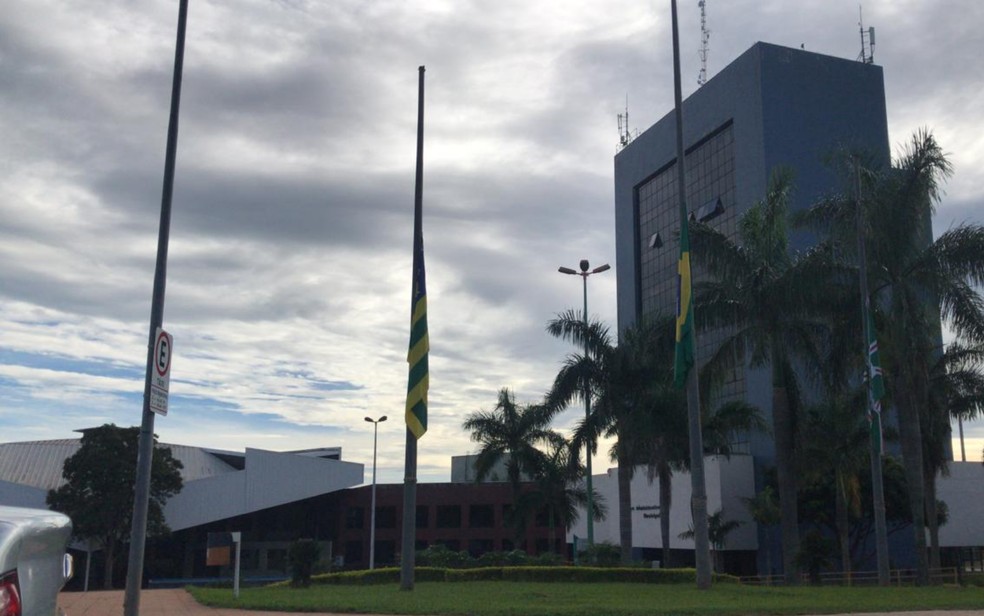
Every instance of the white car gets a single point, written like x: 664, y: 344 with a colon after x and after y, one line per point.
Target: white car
x: 33, y: 562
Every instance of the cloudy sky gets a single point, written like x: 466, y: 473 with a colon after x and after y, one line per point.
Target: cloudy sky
x: 289, y: 271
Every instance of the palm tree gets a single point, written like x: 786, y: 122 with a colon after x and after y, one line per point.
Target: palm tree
x: 558, y: 492
x: 665, y: 446
x: 598, y: 372
x: 512, y: 434
x: 835, y: 443
x: 916, y: 281
x: 718, y: 530
x: 764, y: 509
x: 956, y: 389
x: 772, y: 306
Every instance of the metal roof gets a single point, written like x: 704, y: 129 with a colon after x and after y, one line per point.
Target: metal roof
x: 39, y: 463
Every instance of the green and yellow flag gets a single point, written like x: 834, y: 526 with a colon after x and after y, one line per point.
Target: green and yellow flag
x: 419, y: 379
x: 684, y: 357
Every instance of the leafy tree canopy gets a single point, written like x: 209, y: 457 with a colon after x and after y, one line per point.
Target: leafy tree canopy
x: 98, y: 495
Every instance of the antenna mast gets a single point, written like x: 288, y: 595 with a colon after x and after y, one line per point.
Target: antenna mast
x: 867, y: 41
x: 624, y: 133
x: 705, y: 36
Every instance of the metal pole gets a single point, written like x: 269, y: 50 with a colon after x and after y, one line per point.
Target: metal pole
x: 877, y: 481
x: 698, y: 498
x: 145, y: 452
x: 372, y: 516
x: 409, y: 545
x: 963, y: 450
x: 238, y: 538
x: 587, y: 416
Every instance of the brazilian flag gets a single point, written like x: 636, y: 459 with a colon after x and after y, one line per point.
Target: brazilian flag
x: 684, y: 357
x: 419, y: 381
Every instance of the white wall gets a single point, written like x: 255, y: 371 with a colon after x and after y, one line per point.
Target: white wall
x: 727, y: 481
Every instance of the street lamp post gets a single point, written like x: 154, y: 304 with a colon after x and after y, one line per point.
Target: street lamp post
x: 584, y: 273
x: 372, y: 516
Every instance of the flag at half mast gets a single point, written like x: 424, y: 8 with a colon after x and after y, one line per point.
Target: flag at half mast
x: 684, y: 351
x: 876, y: 389
x: 419, y: 379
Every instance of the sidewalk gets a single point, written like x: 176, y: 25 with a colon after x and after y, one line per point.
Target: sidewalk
x: 175, y: 602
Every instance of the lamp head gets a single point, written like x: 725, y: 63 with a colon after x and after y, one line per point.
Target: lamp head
x: 584, y: 265
x: 566, y: 270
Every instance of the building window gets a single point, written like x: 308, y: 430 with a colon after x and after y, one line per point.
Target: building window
x: 354, y: 517
x: 449, y: 516
x: 423, y: 516
x: 481, y: 516
x: 353, y: 552
x: 386, y: 552
x: 386, y: 517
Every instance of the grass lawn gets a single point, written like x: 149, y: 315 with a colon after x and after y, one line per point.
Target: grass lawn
x: 544, y: 599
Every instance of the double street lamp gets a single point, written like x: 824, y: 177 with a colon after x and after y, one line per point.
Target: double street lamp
x: 584, y: 273
x: 372, y: 516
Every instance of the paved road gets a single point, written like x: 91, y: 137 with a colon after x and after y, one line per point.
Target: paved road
x: 177, y: 602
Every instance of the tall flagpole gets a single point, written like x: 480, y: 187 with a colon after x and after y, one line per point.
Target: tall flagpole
x: 145, y: 446
x: 698, y: 498
x: 417, y: 357
x: 877, y: 482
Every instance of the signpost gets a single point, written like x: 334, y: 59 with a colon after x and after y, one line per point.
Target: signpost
x: 160, y: 381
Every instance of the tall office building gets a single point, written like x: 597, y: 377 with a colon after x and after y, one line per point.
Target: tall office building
x: 773, y: 106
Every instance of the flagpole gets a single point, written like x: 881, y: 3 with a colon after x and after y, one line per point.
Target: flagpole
x: 408, y: 550
x: 877, y: 483
x: 698, y: 498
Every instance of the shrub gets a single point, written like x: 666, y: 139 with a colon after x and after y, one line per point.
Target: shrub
x: 602, y: 554
x: 438, y: 555
x: 302, y: 555
x: 479, y: 574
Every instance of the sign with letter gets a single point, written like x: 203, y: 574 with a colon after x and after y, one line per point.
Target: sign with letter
x: 160, y: 378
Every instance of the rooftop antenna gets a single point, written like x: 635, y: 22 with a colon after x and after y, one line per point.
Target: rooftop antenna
x: 867, y: 41
x: 624, y: 133
x: 705, y: 36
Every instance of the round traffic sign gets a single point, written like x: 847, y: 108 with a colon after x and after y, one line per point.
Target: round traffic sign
x: 162, y: 353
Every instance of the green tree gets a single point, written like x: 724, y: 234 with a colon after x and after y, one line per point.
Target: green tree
x: 916, y: 281
x: 98, y: 493
x: 764, y: 509
x: 718, y: 530
x: 835, y: 437
x: 512, y: 434
x: 601, y: 371
x: 956, y: 389
x: 770, y: 308
x: 557, y: 492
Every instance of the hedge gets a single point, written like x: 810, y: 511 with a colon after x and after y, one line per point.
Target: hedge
x: 391, y: 575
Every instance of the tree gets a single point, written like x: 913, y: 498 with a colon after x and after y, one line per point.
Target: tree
x: 835, y: 439
x: 98, y: 495
x: 718, y: 530
x: 770, y: 308
x: 511, y: 433
x: 956, y: 389
x: 557, y: 492
x: 764, y: 509
x: 603, y: 373
x: 916, y: 281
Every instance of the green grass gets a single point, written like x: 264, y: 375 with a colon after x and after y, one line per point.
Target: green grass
x: 546, y: 599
